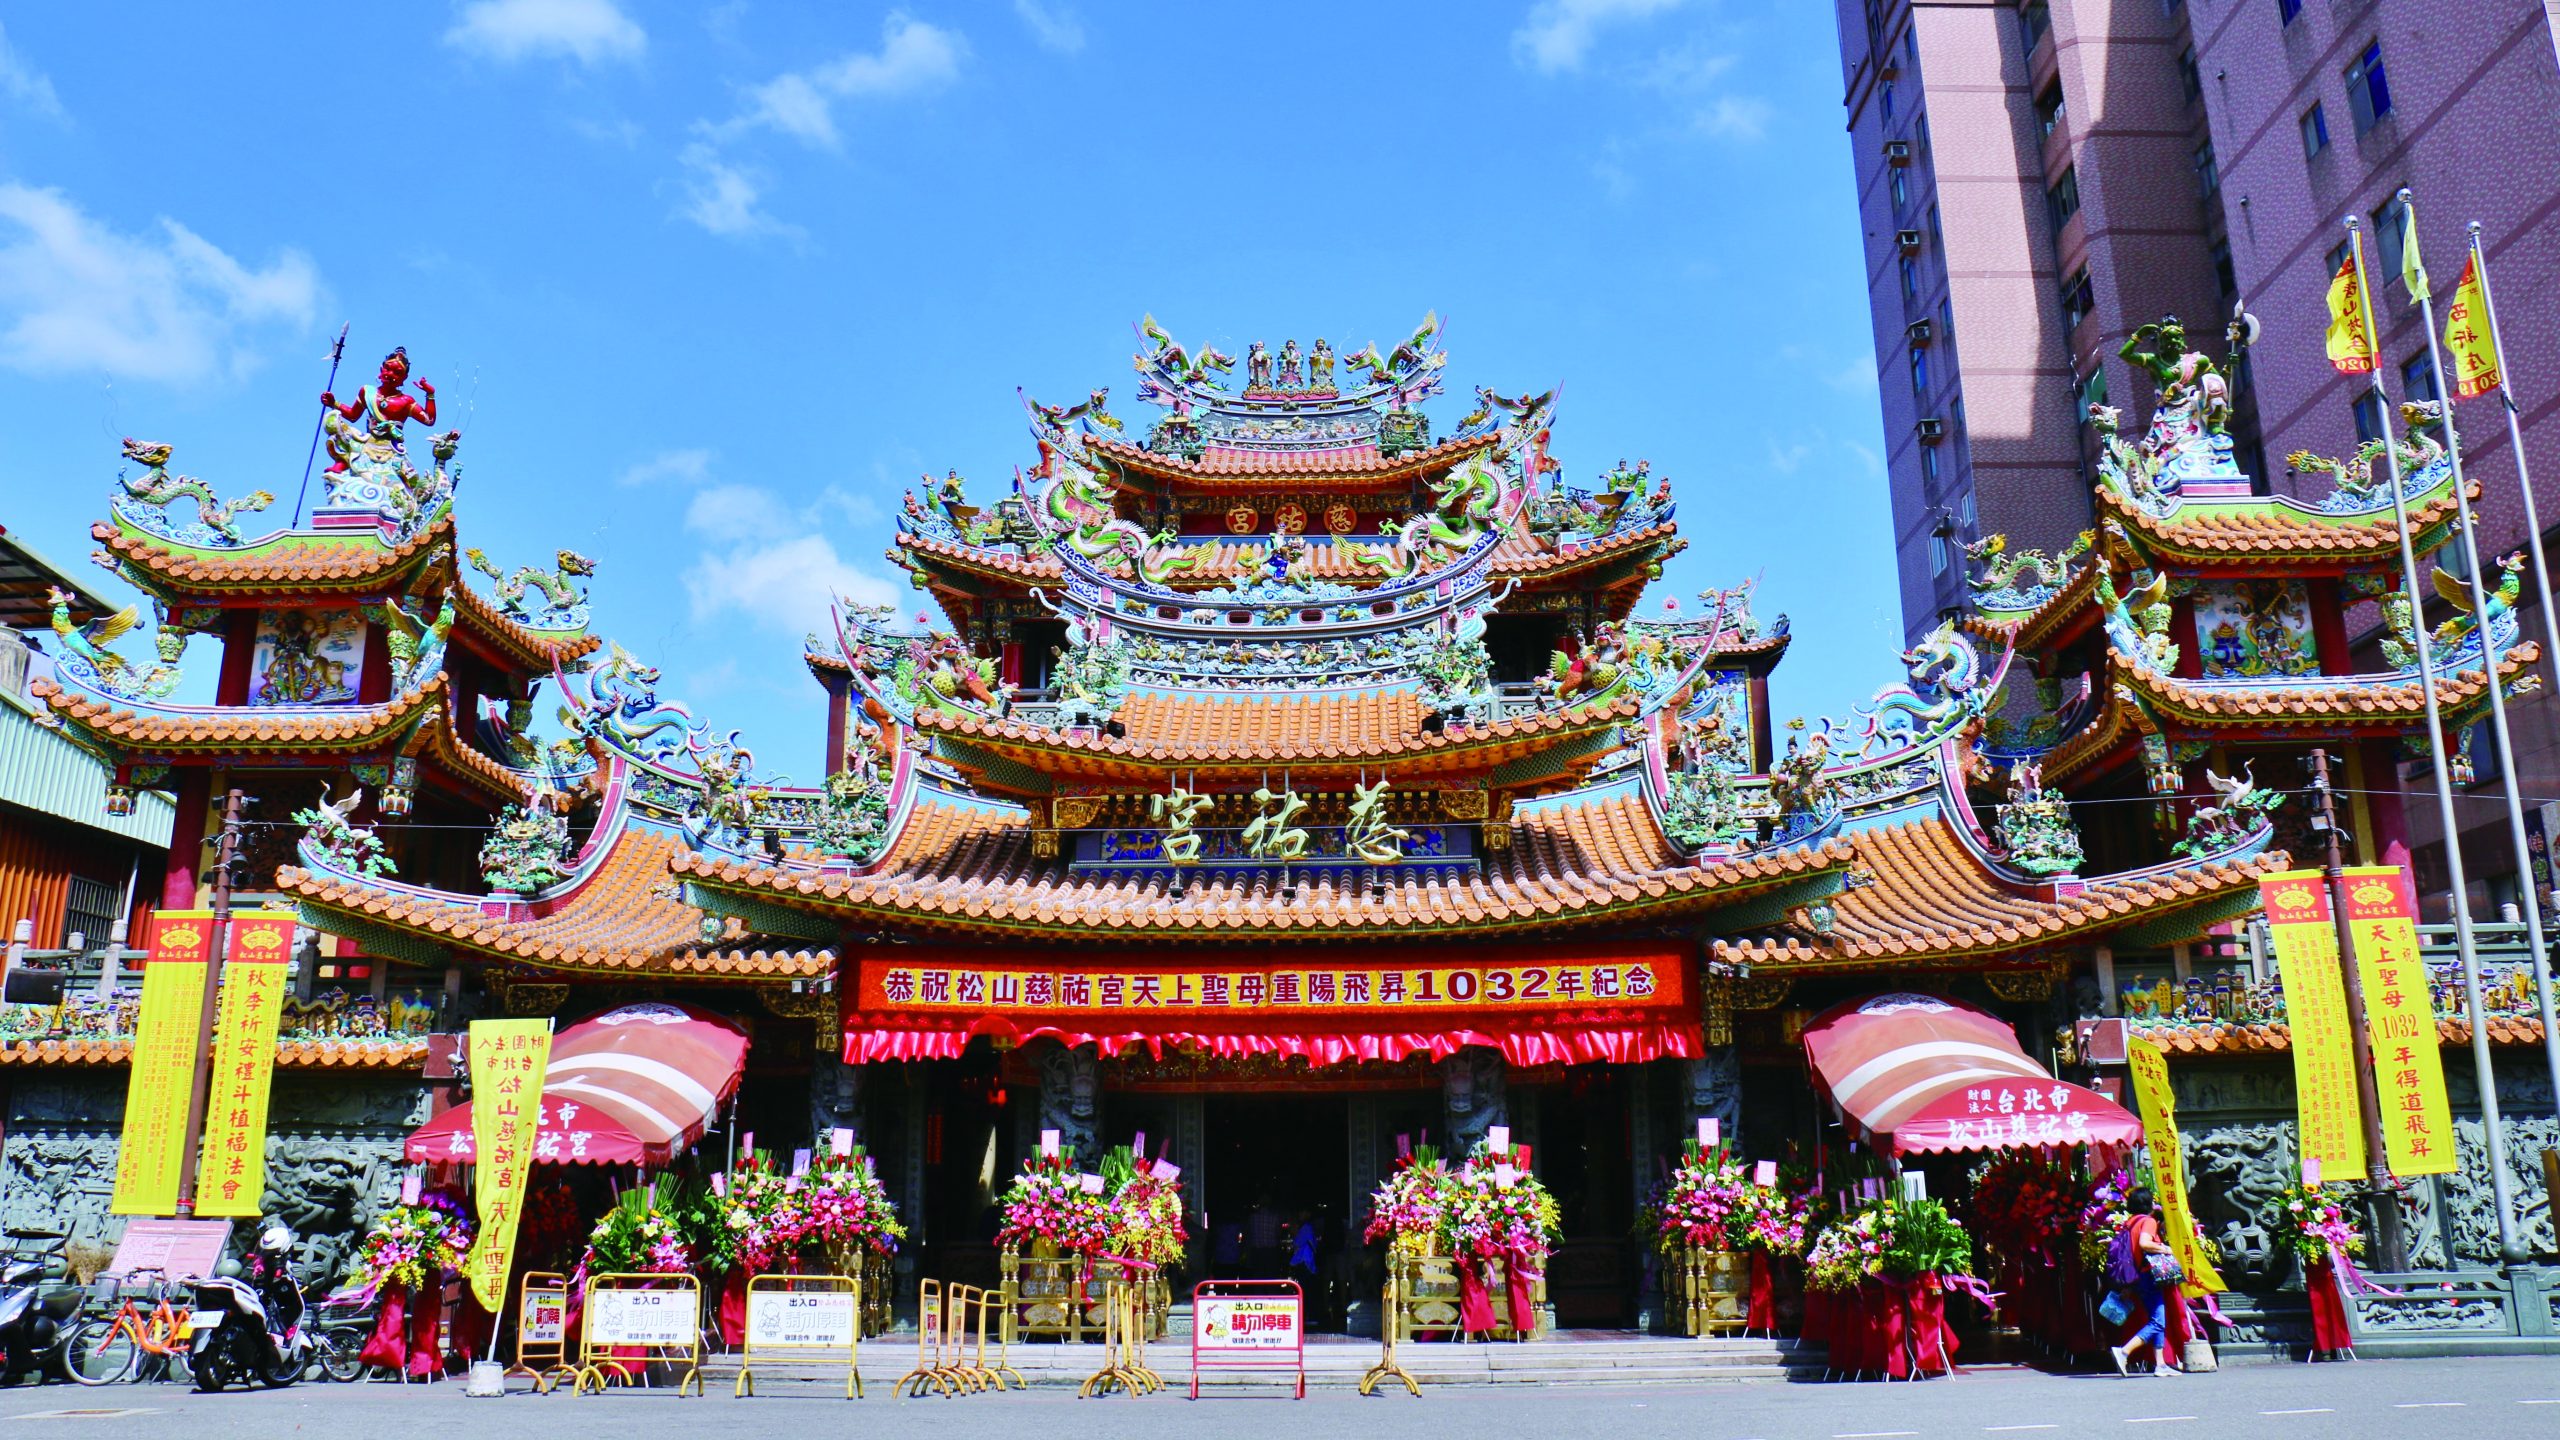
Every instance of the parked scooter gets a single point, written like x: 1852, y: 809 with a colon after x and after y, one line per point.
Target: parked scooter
x: 250, y: 1328
x: 35, y: 1301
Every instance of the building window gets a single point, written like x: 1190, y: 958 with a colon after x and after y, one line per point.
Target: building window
x: 2049, y: 109
x: 88, y: 911
x: 1911, y: 45
x: 1936, y: 236
x: 2368, y: 417
x: 2315, y: 131
x: 2418, y: 377
x: 2079, y: 297
x: 1919, y: 371
x: 2390, y: 224
x: 1929, y: 466
x: 2226, y: 278
x: 1955, y: 413
x: 2208, y: 175
x: 1910, y: 280
x: 1940, y: 556
x: 2062, y: 201
x: 2189, y: 74
x: 2339, y: 254
x: 1901, y: 189
x: 1947, y: 318
x: 2034, y: 18
x: 2368, y: 90
x: 1920, y: 133
x: 2093, y: 390
x: 2291, y: 10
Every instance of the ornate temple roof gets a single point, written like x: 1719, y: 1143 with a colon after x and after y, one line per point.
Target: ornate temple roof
x: 1317, y: 734
x: 1928, y: 896
x: 2277, y: 535
x: 287, y: 565
x: 1337, y: 467
x: 957, y: 866
x: 619, y: 920
x: 2276, y: 1037
x: 210, y: 729
x: 518, y: 645
x: 349, y: 1054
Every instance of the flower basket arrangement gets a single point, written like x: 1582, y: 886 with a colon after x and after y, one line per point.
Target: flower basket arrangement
x: 2303, y: 1221
x: 1883, y: 1266
x: 409, y: 1246
x: 847, y: 1210
x: 1408, y: 1206
x: 1146, y: 1210
x: 1052, y: 1204
x: 647, y: 1232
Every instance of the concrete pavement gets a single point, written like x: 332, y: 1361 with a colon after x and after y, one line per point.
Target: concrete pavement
x: 2475, y: 1399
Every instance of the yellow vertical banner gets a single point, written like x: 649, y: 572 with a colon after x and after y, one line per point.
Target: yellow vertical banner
x: 508, y: 1058
x: 2408, y: 1066
x: 153, y: 1144
x: 2159, y: 1108
x: 2315, y: 1010
x: 231, y: 1171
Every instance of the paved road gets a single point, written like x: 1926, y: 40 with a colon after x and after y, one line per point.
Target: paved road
x: 2375, y: 1400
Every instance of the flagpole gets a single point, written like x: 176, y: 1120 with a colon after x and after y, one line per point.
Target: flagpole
x: 2542, y: 580
x: 2465, y: 943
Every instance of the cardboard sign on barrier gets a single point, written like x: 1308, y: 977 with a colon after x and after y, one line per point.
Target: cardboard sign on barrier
x: 544, y: 1316
x: 1246, y: 1322
x: 641, y: 1317
x: 798, y: 1319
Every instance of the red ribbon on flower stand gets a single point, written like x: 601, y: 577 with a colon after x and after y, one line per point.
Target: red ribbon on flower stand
x: 387, y: 1348
x: 2329, y: 1332
x: 1763, y: 1312
x: 1475, y: 1306
x: 733, y: 1307
x: 1522, y: 1282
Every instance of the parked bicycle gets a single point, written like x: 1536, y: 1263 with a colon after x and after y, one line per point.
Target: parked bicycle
x: 142, y: 1336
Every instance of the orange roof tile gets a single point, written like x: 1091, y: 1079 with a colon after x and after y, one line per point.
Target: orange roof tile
x: 1255, y: 729
x: 343, y: 727
x: 1929, y: 896
x: 1353, y: 463
x: 342, y: 1054
x: 2208, y: 530
x: 1224, y: 561
x: 620, y: 921
x: 533, y: 650
x: 296, y: 562
x: 2267, y: 1037
x: 955, y: 867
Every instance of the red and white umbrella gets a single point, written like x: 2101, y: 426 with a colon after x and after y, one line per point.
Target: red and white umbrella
x: 1922, y: 1073
x: 629, y: 1087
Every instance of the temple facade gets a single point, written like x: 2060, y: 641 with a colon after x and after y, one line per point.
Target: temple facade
x: 1310, y: 772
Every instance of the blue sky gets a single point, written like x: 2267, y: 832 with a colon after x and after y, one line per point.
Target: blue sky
x: 707, y: 287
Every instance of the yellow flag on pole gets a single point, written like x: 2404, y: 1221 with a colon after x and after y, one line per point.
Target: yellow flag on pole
x: 2350, y: 343
x: 2468, y: 339
x: 2413, y: 271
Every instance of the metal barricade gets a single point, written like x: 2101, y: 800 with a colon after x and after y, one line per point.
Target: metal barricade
x: 934, y: 1368
x: 1126, y: 1325
x: 657, y: 1316
x: 802, y: 1320
x: 542, y: 1330
x: 1395, y: 1318
x: 1249, y: 1325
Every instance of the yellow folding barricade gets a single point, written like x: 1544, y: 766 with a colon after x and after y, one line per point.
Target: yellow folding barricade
x: 802, y: 1320
x: 658, y: 1316
x: 542, y: 1330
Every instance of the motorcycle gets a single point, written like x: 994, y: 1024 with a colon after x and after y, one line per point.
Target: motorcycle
x: 34, y: 1304
x: 244, y: 1330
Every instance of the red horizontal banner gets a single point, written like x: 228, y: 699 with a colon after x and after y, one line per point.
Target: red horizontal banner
x: 1539, y: 1005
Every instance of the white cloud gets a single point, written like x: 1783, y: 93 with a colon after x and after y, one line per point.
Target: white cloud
x: 771, y: 563
x: 23, y: 83
x: 914, y: 57
x: 1054, y: 29
x: 1854, y: 376
x: 76, y: 296
x: 1735, y: 117
x: 691, y: 467
x: 1557, y: 35
x: 590, y: 32
x: 721, y: 198
x: 1788, y: 459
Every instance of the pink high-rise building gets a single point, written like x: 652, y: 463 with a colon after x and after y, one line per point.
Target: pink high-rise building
x: 2038, y: 178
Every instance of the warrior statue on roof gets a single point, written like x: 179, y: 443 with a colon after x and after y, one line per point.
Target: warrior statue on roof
x: 383, y: 407
x: 1257, y: 367
x: 2189, y: 438
x: 1292, y: 372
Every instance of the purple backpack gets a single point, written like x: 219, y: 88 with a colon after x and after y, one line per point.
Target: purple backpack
x: 2124, y: 1268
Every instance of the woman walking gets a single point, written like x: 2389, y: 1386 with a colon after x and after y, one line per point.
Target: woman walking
x: 2141, y: 1266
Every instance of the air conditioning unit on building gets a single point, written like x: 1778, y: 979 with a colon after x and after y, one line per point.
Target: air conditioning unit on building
x: 1909, y: 240
x: 1897, y: 152
x: 1918, y: 332
x: 1932, y: 429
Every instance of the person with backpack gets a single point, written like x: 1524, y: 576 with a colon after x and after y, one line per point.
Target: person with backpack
x: 2140, y: 1268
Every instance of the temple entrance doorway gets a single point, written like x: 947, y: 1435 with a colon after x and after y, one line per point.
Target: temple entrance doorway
x: 1276, y: 1194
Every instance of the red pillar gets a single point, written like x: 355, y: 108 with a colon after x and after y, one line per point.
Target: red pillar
x: 837, y: 707
x: 186, y: 838
x: 1011, y: 666
x: 2182, y: 628
x: 2329, y: 631
x: 2382, y: 798
x: 373, y: 684
x: 239, y: 648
